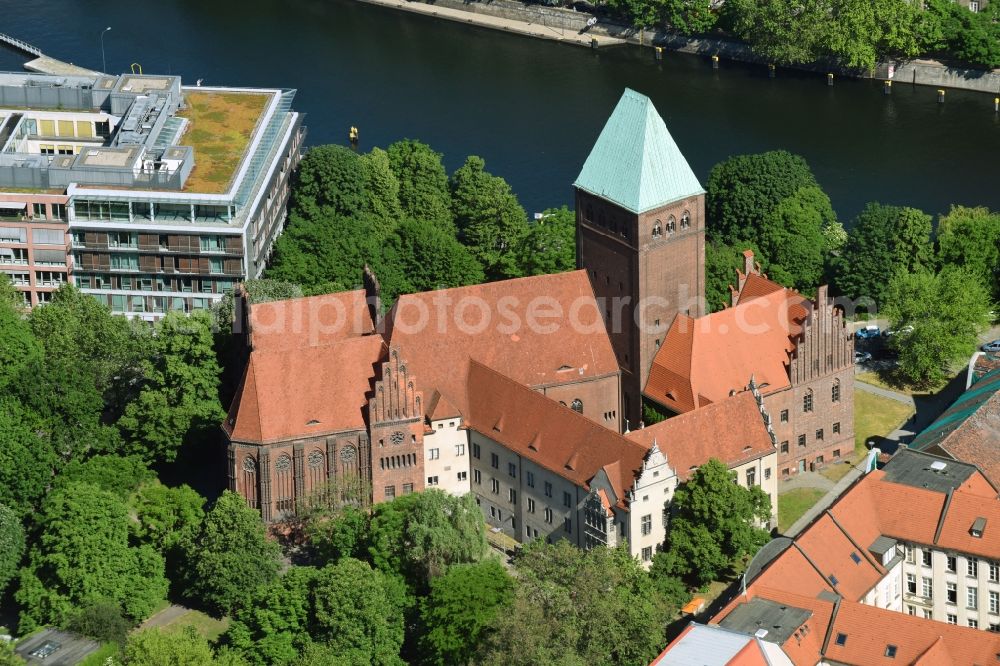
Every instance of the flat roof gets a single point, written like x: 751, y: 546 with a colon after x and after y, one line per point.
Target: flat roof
x: 779, y: 620
x: 221, y: 126
x: 114, y: 158
x: 922, y: 470
x: 142, y: 84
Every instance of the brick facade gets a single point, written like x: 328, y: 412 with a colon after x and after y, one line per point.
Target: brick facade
x: 644, y: 268
x: 397, y: 432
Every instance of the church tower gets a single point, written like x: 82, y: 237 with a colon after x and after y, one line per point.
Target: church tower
x: 640, y: 235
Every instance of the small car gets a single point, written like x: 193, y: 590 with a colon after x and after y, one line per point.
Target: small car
x: 991, y: 347
x: 45, y: 650
x: 862, y: 357
x: 867, y: 333
x: 904, y: 330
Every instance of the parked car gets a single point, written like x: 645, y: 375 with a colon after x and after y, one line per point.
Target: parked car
x: 862, y: 357
x: 46, y: 650
x: 905, y: 330
x: 992, y: 347
x: 867, y: 333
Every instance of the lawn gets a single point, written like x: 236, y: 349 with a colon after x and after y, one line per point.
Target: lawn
x: 794, y: 503
x: 106, y: 651
x: 875, y: 415
x: 220, y: 128
x: 206, y: 625
x: 888, y: 381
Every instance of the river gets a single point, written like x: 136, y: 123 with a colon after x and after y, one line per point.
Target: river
x: 532, y: 108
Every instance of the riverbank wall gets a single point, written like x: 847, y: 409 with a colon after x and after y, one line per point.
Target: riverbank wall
x: 567, y: 25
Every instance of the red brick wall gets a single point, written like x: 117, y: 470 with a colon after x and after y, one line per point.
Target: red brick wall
x: 600, y: 397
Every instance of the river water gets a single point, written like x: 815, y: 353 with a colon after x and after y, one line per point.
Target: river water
x: 532, y: 108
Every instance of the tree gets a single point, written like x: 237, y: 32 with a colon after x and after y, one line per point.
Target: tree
x: 640, y: 13
x: 947, y: 312
x: 83, y: 556
x: 9, y: 295
x: 423, y: 182
x: 119, y: 475
x: 179, y: 400
x: 722, y: 261
x: 550, y: 244
x: 166, y: 517
x: 102, y: 621
x: 573, y: 606
x: 461, y: 605
x: 157, y: 647
x: 780, y: 31
x: 970, y: 238
x: 358, y: 614
x: 336, y: 536
x: 11, y: 545
x: 690, y: 17
x: 428, y: 257
x: 332, y: 177
x: 713, y: 523
x: 490, y: 221
x: 230, y: 557
x: 27, y: 460
x: 19, y: 350
x: 884, y: 241
x: 772, y: 201
x: 443, y: 529
x: 273, y: 627
x: 381, y: 191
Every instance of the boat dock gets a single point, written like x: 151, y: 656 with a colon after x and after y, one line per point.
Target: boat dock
x: 42, y: 63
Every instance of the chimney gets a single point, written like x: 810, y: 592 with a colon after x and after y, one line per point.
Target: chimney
x: 748, y: 263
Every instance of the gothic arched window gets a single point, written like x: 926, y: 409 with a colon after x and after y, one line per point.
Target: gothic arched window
x: 577, y: 406
x: 685, y: 220
x: 657, y: 229
x: 284, y: 484
x: 671, y: 225
x: 250, y: 481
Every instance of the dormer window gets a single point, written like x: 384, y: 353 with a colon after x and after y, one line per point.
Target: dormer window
x: 978, y: 527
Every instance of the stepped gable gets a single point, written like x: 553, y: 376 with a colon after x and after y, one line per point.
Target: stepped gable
x: 304, y: 392
x: 635, y: 163
x: 309, y: 321
x: 554, y: 351
x: 701, y: 361
x: 571, y: 445
x: 732, y: 431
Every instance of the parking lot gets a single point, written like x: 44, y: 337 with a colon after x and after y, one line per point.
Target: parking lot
x: 68, y: 649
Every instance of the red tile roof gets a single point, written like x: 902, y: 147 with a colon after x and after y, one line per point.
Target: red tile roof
x: 732, y: 431
x: 549, y: 434
x: 304, y: 392
x: 703, y: 360
x: 310, y: 321
x: 523, y: 336
x: 757, y: 286
x: 440, y: 407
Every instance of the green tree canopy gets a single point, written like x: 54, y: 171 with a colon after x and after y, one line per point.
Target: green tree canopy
x: 691, y: 17
x: 230, y: 557
x: 970, y: 237
x: 947, y: 312
x: 359, y: 614
x: 119, y: 475
x: 490, y: 221
x: 423, y: 182
x: 550, y: 244
x: 332, y: 177
x: 179, y: 400
x: 11, y: 545
x: 83, y: 556
x: 166, y: 517
x: 159, y: 647
x: 27, y: 459
x: 574, y: 606
x: 428, y: 257
x: 19, y: 350
x: 772, y: 201
x: 713, y: 523
x: 884, y: 241
x: 381, y: 191
x: 461, y: 605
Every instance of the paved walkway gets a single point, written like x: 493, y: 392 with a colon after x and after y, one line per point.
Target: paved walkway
x: 164, y: 617
x: 497, y: 23
x: 48, y: 65
x: 835, y: 491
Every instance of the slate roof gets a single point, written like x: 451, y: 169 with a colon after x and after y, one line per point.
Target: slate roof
x: 732, y: 431
x: 635, y: 163
x: 969, y: 430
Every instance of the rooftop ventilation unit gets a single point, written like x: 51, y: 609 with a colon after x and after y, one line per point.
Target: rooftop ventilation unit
x: 938, y: 466
x: 760, y: 633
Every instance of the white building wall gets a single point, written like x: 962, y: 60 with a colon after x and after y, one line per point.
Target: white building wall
x: 939, y: 606
x: 446, y: 456
x: 649, y: 497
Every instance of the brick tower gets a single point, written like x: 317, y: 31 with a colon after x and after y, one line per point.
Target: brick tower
x: 396, y: 419
x: 640, y: 234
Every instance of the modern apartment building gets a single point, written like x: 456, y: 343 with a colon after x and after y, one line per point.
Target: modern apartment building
x: 150, y: 195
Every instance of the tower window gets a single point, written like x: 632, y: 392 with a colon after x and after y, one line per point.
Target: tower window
x: 657, y: 229
x: 671, y: 225
x: 685, y: 220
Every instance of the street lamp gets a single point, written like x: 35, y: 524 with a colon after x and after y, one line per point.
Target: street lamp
x: 104, y: 62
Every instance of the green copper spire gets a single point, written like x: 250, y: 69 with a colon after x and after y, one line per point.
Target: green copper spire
x: 635, y: 162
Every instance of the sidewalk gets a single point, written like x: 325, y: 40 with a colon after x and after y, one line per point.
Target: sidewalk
x: 542, y: 31
x: 825, y: 501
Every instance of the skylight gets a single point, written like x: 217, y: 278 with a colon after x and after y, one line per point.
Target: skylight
x: 841, y: 639
x: 856, y: 558
x: 890, y: 650
x: 834, y: 581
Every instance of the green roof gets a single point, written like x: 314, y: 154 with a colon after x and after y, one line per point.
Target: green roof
x: 635, y: 162
x: 955, y: 416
